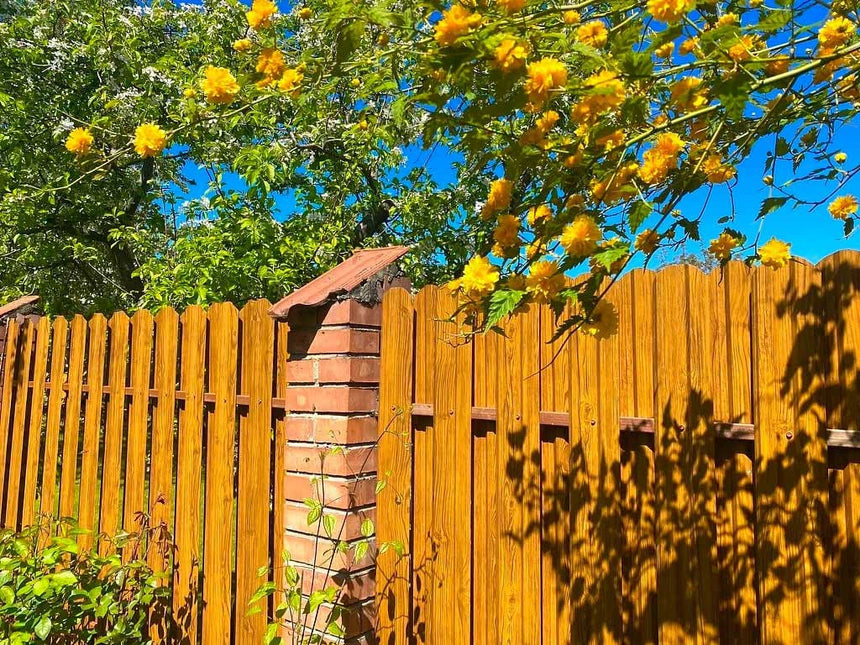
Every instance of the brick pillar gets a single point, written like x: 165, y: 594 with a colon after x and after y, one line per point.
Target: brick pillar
x: 333, y: 375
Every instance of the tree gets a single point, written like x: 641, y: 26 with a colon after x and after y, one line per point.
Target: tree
x: 579, y: 128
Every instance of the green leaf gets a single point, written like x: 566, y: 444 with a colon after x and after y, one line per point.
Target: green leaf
x: 638, y: 213
x: 328, y: 524
x: 7, y: 595
x: 771, y: 204
x: 367, y: 527
x: 65, y: 578
x: 503, y: 303
x: 271, y: 637
x: 43, y: 627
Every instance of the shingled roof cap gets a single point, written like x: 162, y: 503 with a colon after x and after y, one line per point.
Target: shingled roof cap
x: 342, y: 279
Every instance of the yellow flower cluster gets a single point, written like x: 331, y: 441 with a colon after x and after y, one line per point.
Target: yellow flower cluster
x: 743, y: 49
x: 456, y: 22
x: 510, y: 55
x: 723, y: 245
x: 271, y: 65
x: 580, y: 237
x: 593, y: 33
x: 243, y: 45
x: 717, y: 171
x: 149, y: 140
x: 544, y: 75
x: 660, y: 159
x: 669, y: 11
x: 603, y: 321
x: 687, y: 94
x: 479, y: 278
x: 545, y: 123
x: 572, y: 17
x: 506, y: 235
x: 498, y: 199
x: 511, y: 6
x: 665, y: 50
x: 261, y: 14
x: 79, y: 142
x: 836, y: 32
x: 291, y: 80
x: 774, y: 254
x: 616, y: 186
x: 538, y: 215
x: 843, y: 207
x: 219, y: 85
x: 544, y: 281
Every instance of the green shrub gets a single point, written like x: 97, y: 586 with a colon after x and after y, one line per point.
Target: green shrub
x: 52, y: 591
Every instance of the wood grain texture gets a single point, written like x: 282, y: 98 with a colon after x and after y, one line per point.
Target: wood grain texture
x: 187, y: 556
x: 220, y: 439
x: 394, y: 503
x: 255, y: 449
x: 72, y: 420
x: 111, y: 497
x: 7, y: 399
x: 37, y: 417
x: 90, y: 456
x: 138, y: 420
x: 48, y: 489
x: 14, y: 474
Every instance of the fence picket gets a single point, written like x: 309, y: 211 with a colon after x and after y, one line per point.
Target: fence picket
x: 37, y: 411
x: 393, y: 512
x: 59, y: 339
x: 220, y: 439
x: 72, y: 423
x: 14, y: 474
x: 92, y: 430
x: 6, y: 399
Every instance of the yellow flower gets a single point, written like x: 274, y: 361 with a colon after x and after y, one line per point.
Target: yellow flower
x: 581, y: 236
x: 242, y: 45
x: 610, y: 141
x: 510, y: 55
x: 516, y: 282
x: 603, y: 321
x: 456, y: 22
x: 219, y: 85
x: 498, y: 199
x: 608, y: 90
x: 774, y: 254
x: 261, y: 13
x: 665, y: 50
x: 779, y: 65
x: 291, y: 79
x: 575, y: 203
x: 271, y: 63
x: 669, y: 144
x: 717, y: 171
x: 479, y: 277
x: 535, y: 248
x: 507, y: 231
x: 149, y: 140
x: 742, y: 50
x: 647, y: 241
x: 688, y: 46
x: 663, y: 157
x: 362, y: 125
x: 836, y: 32
x: 544, y: 281
x: 615, y: 186
x: 593, y: 33
x: 686, y: 96
x: 572, y: 17
x: 544, y: 76
x: 511, y: 6
x: 79, y: 142
x: 840, y: 157
x: 843, y: 207
x: 305, y: 13
x: 722, y: 246
x: 189, y: 93
x: 727, y: 19
x: 670, y: 10
x: 539, y: 214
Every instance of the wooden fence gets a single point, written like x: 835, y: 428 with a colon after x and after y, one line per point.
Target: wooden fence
x: 173, y: 416
x: 692, y: 478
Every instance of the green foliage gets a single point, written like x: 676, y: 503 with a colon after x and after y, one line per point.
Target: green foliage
x: 53, y: 591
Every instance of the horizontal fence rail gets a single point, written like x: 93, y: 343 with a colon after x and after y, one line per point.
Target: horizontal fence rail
x: 175, y: 419
x: 693, y: 477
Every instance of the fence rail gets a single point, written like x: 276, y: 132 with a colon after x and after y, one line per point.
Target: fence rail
x: 177, y: 417
x: 692, y: 478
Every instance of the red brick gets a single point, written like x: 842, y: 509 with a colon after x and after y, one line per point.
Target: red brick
x: 341, y: 429
x: 321, y: 460
x: 351, y: 312
x: 306, y: 549
x: 347, y: 523
x: 335, y: 398
x: 334, y: 340
x: 301, y: 371
x: 336, y: 492
x: 351, y: 369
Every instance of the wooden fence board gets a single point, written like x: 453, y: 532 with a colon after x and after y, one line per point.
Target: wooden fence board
x: 16, y: 448
x: 72, y: 424
x: 278, y: 488
x: 187, y: 555
x: 138, y: 420
x: 221, y: 431
x: 255, y: 444
x: 59, y: 339
x: 92, y: 431
x: 37, y: 411
x: 393, y: 511
x: 111, y: 497
x: 6, y: 399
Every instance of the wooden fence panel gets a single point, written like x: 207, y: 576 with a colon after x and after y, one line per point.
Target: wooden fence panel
x: 255, y: 444
x: 393, y: 511
x: 92, y: 430
x: 220, y: 440
x: 17, y: 436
